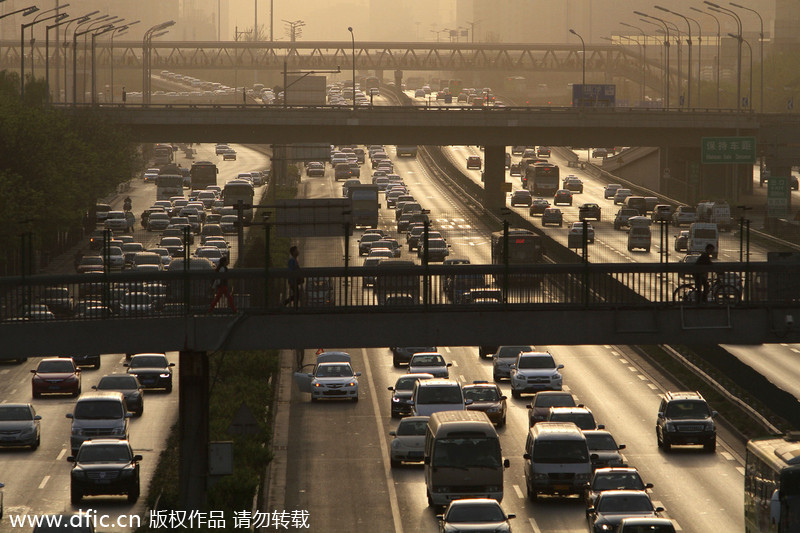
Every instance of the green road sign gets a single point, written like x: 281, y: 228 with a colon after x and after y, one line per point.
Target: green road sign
x: 722, y: 150
x: 778, y: 196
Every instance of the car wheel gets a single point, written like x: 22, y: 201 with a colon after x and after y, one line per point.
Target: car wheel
x: 647, y: 249
x: 395, y: 414
x: 133, y: 495
x: 430, y: 500
x: 495, y: 377
x: 75, y: 496
x: 97, y: 365
x: 169, y: 388
x: 502, y: 422
x: 710, y: 446
x: 37, y: 442
x: 515, y: 394
x: 630, y: 249
x: 396, y: 362
x: 394, y: 463
x: 36, y: 394
x: 76, y: 393
x: 532, y: 495
x: 355, y: 399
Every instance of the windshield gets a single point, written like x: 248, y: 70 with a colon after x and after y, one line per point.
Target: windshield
x: 621, y: 481
x: 150, y: 361
x: 601, y: 442
x: 467, y: 452
x: 412, y: 427
x: 334, y: 371
x: 405, y: 384
x: 449, y: 394
x: 117, y: 383
x: 705, y: 234
x: 560, y: 451
x: 101, y: 453
x: 544, y: 361
x: 554, y: 400
x: 427, y: 360
x: 15, y: 412
x: 56, y: 366
x: 98, y: 409
x: 511, y: 352
x: 628, y: 503
x: 475, y: 513
x: 687, y: 410
x: 481, y: 394
x: 582, y: 420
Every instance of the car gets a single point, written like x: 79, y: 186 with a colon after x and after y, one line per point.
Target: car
x: 482, y: 295
x: 90, y: 263
x: 174, y: 245
x: 794, y: 183
x: 580, y: 416
x: 623, y: 216
x: 543, y: 151
x: 420, y: 93
x: 621, y: 194
x: 619, y: 478
x: 402, y: 355
x: 575, y: 236
x: 220, y: 148
x: 153, y: 370
x: 562, y: 196
x: 92, y: 360
x: 573, y: 183
x: 503, y: 358
x: 429, y: 363
x: 685, y: 418
x: 99, y: 413
x: 475, y: 514
x: 474, y: 162
x: 539, y: 408
x: 158, y: 221
x: 662, y: 213
x: 401, y: 393
x: 552, y: 215
x: 117, y: 221
x: 437, y: 249
x: 684, y: 214
x: 136, y: 303
x: 589, y: 210
x: 103, y: 467
x: 129, y: 386
x: 19, y: 425
x: 212, y: 253
x: 486, y: 397
x: 408, y: 440
x: 600, y: 152
x: 58, y: 300
x: 604, y: 450
x: 229, y: 155
x: 315, y: 169
x: 333, y: 380
x: 682, y: 241
x: 150, y: 175
x: 612, y: 506
x: 56, y: 375
x: 521, y: 197
x: 535, y: 371
x: 319, y: 292
x: 386, y: 242
x: 538, y: 205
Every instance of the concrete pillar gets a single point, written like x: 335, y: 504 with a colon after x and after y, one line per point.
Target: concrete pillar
x: 494, y: 177
x: 193, y: 430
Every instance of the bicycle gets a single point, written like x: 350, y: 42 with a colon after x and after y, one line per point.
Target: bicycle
x: 724, y: 290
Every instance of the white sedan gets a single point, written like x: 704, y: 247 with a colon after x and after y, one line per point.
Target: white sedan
x: 408, y: 443
x: 330, y: 379
x: 429, y: 363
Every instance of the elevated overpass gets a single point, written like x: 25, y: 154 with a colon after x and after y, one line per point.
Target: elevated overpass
x: 554, y: 304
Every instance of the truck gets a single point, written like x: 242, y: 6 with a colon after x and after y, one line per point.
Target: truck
x: 365, y: 204
x: 204, y: 173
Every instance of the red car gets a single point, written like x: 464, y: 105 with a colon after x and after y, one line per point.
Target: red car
x: 56, y: 376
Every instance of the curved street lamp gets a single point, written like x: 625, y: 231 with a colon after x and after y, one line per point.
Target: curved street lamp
x: 718, y: 45
x: 47, y: 48
x: 731, y: 13
x: 689, y: 42
x: 35, y: 21
x: 121, y: 31
x: 583, y: 65
x: 353, y: 39
x: 761, y: 51
x: 644, y: 57
x: 666, y: 54
x: 152, y: 32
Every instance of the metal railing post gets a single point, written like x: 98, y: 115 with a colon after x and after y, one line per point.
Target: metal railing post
x: 505, y: 261
x: 186, y: 286
x: 346, y: 263
x: 426, y: 277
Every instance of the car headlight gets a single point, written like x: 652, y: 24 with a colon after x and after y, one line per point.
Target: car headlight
x: 710, y: 426
x: 493, y: 410
x: 164, y: 375
x: 77, y: 432
x: 395, y: 400
x: 351, y: 384
x: 556, y: 376
x: 540, y: 476
x: 317, y: 384
x: 669, y: 426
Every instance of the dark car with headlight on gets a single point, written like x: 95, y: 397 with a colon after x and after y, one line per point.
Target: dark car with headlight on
x: 401, y: 393
x: 152, y: 369
x: 104, y: 466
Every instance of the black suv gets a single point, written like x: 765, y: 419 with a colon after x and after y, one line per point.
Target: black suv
x: 402, y: 355
x: 587, y: 211
x: 104, y: 466
x: 685, y: 418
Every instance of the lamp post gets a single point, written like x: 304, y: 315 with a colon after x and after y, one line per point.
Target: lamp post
x: 75, y: 35
x: 689, y: 42
x: 106, y: 24
x: 644, y: 57
x: 750, y: 92
x: 101, y: 31
x: 121, y: 30
x: 74, y: 57
x: 47, y: 49
x: 761, y: 52
x: 148, y: 36
x: 583, y: 66
x: 472, y: 29
x: 718, y: 8
x: 666, y: 53
x: 353, y: 40
x: 718, y: 45
x: 37, y: 20
x: 30, y: 10
x: 65, y: 46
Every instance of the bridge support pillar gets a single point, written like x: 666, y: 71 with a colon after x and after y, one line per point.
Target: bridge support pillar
x: 193, y: 430
x: 494, y: 177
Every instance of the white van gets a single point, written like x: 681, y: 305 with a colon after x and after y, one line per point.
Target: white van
x: 639, y: 237
x: 557, y: 460
x: 701, y: 234
x: 434, y: 395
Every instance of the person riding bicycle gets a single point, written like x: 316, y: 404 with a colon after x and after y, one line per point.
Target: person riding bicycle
x: 701, y: 278
x: 127, y: 204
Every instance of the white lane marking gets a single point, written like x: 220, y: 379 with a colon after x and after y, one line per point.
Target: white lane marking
x: 519, y: 492
x: 61, y: 454
x: 727, y: 456
x: 566, y: 388
x: 398, y: 523
x: 461, y: 378
x: 44, y: 482
x: 447, y: 349
x: 535, y: 526
x: 5, y: 371
x: 12, y: 392
x: 623, y: 361
x: 652, y: 387
x: 607, y: 347
x: 677, y: 525
x: 632, y: 368
x: 657, y: 503
x: 795, y: 350
x: 784, y: 344
x: 740, y: 469
x: 643, y: 378
x: 455, y: 364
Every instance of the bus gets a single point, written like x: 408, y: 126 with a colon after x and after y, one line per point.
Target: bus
x: 236, y: 190
x: 524, y: 164
x: 162, y: 155
x: 524, y: 247
x: 168, y: 185
x: 772, y: 484
x: 455, y: 86
x: 204, y: 173
x: 542, y: 179
x: 371, y: 82
x: 462, y: 458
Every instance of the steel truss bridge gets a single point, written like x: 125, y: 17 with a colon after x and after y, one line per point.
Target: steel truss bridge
x: 613, y: 60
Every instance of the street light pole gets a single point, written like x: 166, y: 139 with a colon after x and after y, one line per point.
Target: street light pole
x: 37, y: 20
x: 644, y: 58
x: 730, y: 12
x: 719, y: 49
x: 101, y: 31
x: 666, y: 52
x: 75, y: 59
x: 121, y: 30
x: 750, y: 92
x: 47, y: 49
x: 583, y: 65
x: 148, y: 36
x: 761, y: 51
x: 689, y: 42
x: 353, y: 39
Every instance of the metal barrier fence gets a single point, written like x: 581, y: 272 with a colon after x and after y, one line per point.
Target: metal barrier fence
x: 432, y: 287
